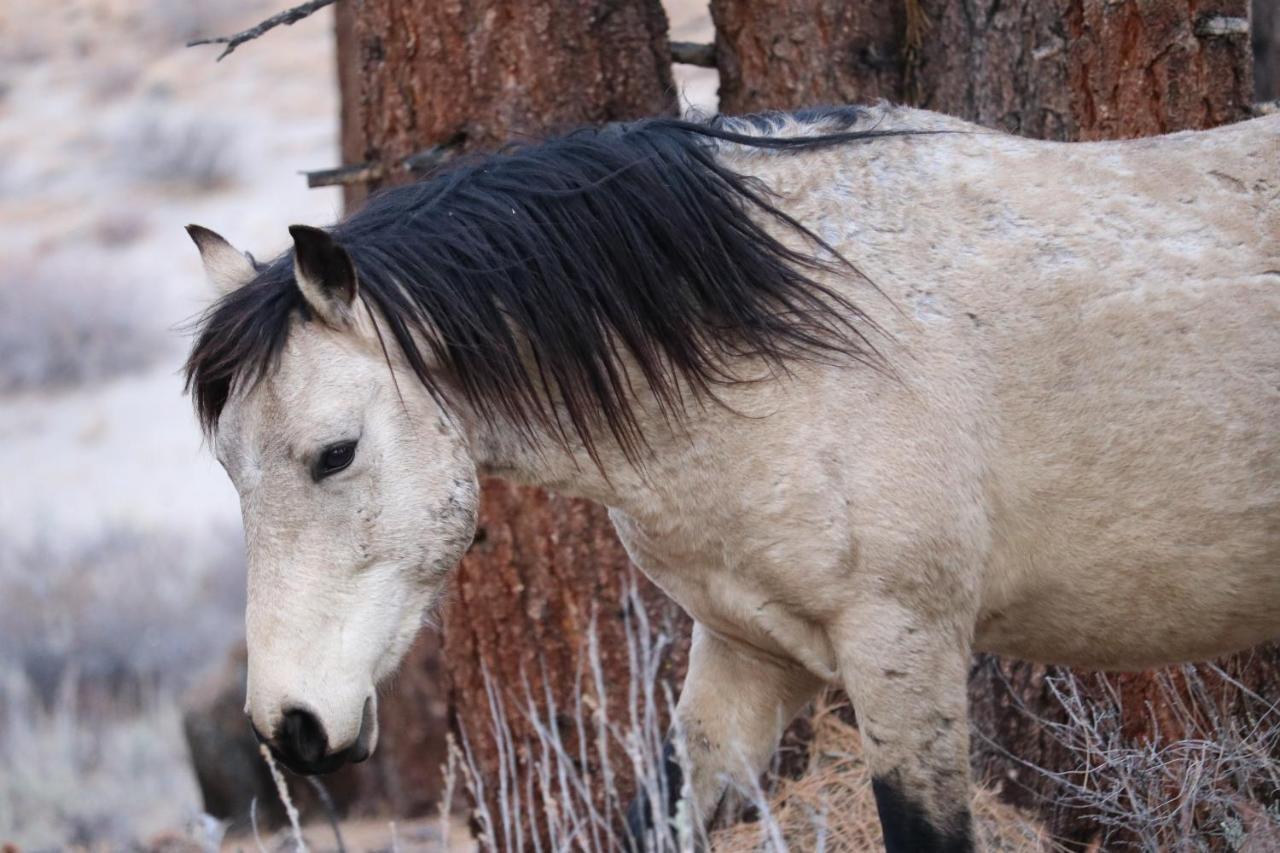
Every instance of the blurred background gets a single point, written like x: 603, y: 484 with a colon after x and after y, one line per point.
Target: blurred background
x: 121, y: 565
x: 121, y: 572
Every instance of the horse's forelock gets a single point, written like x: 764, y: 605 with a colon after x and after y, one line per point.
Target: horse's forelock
x: 240, y: 337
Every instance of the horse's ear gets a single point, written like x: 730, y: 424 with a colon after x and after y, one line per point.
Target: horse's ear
x: 324, y: 272
x: 225, y: 266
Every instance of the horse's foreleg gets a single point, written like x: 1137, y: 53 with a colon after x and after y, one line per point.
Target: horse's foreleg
x: 732, y: 710
x: 907, y: 679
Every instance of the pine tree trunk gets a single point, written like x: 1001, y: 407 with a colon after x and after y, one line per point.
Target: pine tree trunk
x: 1055, y: 69
x: 784, y: 54
x: 417, y: 73
x: 1052, y: 69
x: 485, y: 72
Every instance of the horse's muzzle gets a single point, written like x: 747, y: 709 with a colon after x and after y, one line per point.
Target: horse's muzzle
x: 301, y: 744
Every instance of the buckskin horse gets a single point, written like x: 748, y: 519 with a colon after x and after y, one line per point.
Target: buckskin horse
x: 864, y: 390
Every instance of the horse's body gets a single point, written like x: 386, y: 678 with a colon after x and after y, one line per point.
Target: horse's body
x: 1081, y: 431
x: 1067, y: 449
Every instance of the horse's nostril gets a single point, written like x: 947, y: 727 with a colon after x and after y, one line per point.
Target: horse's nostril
x: 301, y: 738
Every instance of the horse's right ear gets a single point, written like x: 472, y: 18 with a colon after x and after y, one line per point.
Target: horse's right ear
x: 226, y: 267
x: 325, y: 274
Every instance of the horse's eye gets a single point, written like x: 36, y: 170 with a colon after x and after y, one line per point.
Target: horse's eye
x: 334, y: 459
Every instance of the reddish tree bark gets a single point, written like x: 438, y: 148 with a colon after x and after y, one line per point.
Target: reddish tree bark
x: 783, y: 54
x: 1054, y: 69
x: 484, y: 72
x: 417, y: 73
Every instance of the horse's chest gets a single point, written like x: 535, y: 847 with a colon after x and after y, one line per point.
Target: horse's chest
x: 728, y: 592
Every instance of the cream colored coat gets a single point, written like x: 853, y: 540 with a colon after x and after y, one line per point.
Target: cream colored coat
x: 1073, y: 455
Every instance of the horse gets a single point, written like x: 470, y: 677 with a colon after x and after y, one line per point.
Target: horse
x: 865, y: 390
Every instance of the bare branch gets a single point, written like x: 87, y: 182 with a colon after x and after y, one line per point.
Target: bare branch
x: 287, y: 18
x: 366, y: 173
x: 693, y: 53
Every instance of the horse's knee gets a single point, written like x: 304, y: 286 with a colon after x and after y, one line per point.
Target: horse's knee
x: 907, y: 826
x: 654, y: 807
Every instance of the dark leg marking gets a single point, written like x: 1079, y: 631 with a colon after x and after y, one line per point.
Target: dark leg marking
x: 640, y: 814
x: 908, y: 830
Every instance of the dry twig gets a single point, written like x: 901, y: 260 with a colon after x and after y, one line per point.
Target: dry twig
x: 282, y: 788
x: 287, y: 18
x: 694, y: 53
x: 420, y: 163
x: 330, y: 811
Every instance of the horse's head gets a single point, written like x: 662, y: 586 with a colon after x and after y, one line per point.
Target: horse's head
x: 357, y: 490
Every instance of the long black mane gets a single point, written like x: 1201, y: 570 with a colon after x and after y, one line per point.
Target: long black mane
x: 527, y: 274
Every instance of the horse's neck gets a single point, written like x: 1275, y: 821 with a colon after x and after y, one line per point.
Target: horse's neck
x: 609, y: 479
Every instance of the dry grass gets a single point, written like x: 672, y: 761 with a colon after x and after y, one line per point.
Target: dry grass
x: 103, y: 776
x: 1209, y: 781
x: 831, y: 807
x: 1203, y: 772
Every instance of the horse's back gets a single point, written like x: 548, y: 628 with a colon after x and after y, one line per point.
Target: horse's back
x: 1112, y: 312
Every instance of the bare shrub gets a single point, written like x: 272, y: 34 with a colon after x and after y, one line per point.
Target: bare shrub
x: 174, y: 24
x: 125, y: 612
x: 120, y: 228
x: 99, y: 638
x: 180, y: 152
x: 64, y: 324
x: 1206, y: 778
x: 573, y: 795
x: 565, y: 804
x: 104, y: 779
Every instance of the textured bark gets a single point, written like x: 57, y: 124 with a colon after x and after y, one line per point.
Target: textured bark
x: 479, y: 73
x: 417, y: 73
x: 1055, y: 69
x: 544, y: 569
x: 784, y: 54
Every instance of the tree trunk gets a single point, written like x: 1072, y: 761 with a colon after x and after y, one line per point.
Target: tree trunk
x: 485, y: 72
x: 418, y: 73
x: 784, y: 54
x: 1055, y: 69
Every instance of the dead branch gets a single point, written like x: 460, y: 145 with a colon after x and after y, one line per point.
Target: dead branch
x: 693, y: 53
x: 287, y: 18
x: 419, y: 163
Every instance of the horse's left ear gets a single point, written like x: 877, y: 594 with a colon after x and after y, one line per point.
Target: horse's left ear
x: 325, y: 274
x: 226, y: 267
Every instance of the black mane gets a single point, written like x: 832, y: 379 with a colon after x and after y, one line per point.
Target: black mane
x: 630, y: 237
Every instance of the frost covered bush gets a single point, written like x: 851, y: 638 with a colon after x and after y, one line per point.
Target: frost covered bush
x: 124, y: 611
x: 64, y: 324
